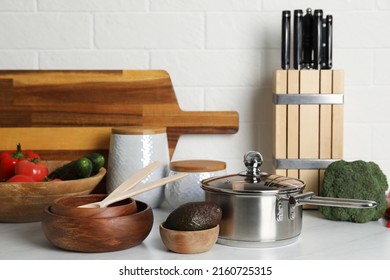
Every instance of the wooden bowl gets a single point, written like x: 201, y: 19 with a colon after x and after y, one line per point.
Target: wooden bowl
x: 189, y: 242
x: 95, y: 235
x: 25, y: 202
x: 68, y: 206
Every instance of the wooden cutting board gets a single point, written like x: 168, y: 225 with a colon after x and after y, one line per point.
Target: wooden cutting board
x: 64, y: 114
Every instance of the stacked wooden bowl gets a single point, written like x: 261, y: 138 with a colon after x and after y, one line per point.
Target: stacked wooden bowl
x: 94, y: 230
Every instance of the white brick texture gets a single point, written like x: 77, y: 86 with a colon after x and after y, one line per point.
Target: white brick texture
x: 153, y: 30
x: 45, y: 31
x: 220, y: 54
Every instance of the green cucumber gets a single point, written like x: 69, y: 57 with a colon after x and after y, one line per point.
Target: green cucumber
x: 97, y: 162
x: 77, y: 169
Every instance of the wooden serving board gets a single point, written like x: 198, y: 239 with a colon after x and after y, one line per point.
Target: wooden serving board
x: 64, y: 114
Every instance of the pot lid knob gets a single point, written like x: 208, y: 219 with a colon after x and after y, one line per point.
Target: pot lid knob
x: 253, y: 160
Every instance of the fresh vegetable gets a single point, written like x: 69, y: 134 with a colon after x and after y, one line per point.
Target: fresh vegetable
x: 8, y: 160
x: 33, y: 168
x: 20, y: 179
x: 387, y: 213
x: 357, y: 180
x: 97, y: 162
x: 77, y: 169
x: 194, y: 216
x: 387, y: 216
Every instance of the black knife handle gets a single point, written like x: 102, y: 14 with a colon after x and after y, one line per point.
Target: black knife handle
x: 298, y: 14
x: 307, y: 39
x: 317, y: 38
x: 329, y: 42
x: 286, y: 19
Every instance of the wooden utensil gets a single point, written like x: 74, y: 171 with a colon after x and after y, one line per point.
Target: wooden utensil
x: 120, y: 196
x: 134, y: 179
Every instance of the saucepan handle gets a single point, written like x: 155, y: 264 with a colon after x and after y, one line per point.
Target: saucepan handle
x: 311, y: 198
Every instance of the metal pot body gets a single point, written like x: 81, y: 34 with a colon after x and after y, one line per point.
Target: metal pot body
x: 263, y: 210
x: 256, y: 220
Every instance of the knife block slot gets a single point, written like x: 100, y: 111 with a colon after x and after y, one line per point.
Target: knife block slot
x: 308, y: 123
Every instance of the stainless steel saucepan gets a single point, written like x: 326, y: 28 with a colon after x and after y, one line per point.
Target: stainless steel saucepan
x: 263, y: 210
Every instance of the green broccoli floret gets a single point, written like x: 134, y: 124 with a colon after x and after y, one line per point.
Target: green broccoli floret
x: 357, y: 180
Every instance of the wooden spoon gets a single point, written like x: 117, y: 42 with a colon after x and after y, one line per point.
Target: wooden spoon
x: 129, y: 193
x: 129, y: 183
x: 135, y: 178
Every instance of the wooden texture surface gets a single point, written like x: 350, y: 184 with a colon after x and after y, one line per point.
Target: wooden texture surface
x: 96, y: 235
x: 293, y: 87
x: 63, y: 114
x: 309, y: 128
x: 280, y: 113
x: 308, y: 131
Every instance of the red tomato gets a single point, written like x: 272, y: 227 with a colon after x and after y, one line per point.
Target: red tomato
x: 33, y: 168
x: 20, y: 178
x: 9, y: 159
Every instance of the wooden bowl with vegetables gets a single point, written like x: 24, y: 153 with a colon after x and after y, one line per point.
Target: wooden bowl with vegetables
x: 25, y: 201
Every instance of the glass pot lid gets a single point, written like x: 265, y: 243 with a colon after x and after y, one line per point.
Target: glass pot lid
x: 253, y: 181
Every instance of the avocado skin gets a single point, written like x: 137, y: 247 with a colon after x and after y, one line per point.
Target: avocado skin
x: 193, y: 216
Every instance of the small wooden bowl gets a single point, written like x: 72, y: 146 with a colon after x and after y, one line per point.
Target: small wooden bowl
x: 68, y: 206
x: 25, y: 202
x: 189, y: 242
x: 91, y: 235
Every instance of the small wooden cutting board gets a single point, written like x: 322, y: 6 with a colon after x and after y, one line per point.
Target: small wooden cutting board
x: 63, y: 114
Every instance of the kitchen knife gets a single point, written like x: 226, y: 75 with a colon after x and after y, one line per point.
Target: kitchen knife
x: 298, y: 14
x: 329, y: 42
x: 286, y: 19
x: 307, y: 39
x: 317, y: 39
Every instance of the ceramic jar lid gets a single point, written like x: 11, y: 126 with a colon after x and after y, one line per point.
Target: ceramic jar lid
x: 197, y: 165
x: 138, y: 130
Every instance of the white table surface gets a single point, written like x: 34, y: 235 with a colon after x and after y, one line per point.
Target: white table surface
x: 320, y: 239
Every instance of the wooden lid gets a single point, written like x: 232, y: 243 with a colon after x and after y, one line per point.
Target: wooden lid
x: 138, y: 130
x: 197, y: 165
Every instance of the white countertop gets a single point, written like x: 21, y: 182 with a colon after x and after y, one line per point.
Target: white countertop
x: 320, y: 239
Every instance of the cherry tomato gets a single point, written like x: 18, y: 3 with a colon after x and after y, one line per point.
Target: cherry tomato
x: 33, y: 168
x: 20, y: 178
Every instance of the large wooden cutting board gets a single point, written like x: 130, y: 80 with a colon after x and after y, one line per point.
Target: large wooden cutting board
x: 64, y: 114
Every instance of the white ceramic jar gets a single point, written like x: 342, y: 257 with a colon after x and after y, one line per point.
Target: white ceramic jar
x: 188, y: 189
x: 131, y: 149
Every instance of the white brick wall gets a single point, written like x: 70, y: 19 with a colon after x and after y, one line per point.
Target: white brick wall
x: 220, y: 55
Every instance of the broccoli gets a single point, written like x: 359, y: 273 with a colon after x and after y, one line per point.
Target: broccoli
x: 357, y: 180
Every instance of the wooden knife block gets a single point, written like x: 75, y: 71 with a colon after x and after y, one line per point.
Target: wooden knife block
x: 308, y: 123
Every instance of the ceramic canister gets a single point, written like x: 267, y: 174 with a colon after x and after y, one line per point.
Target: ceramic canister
x: 188, y: 189
x: 131, y: 149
